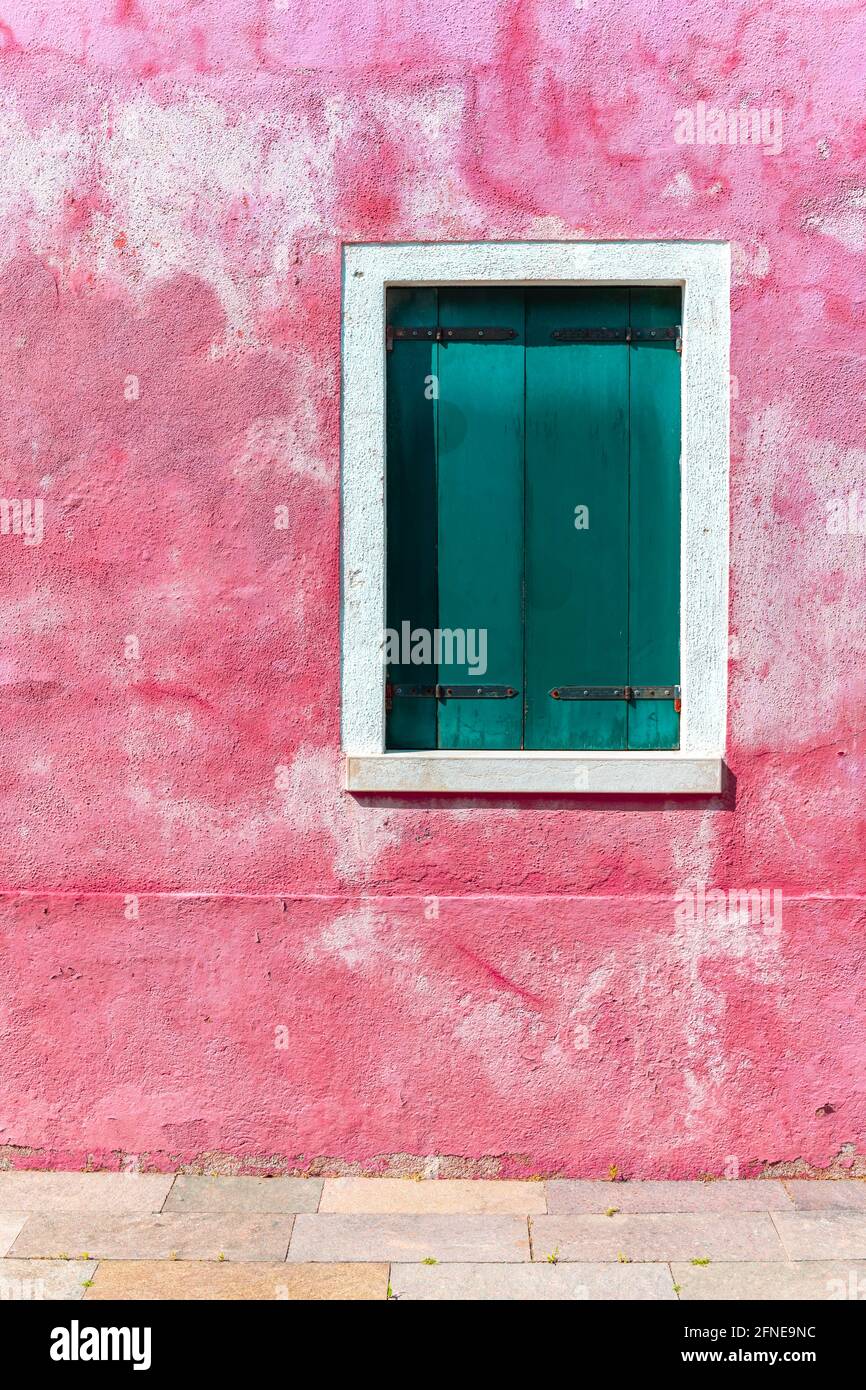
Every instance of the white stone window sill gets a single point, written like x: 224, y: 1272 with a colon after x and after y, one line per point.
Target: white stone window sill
x: 665, y: 774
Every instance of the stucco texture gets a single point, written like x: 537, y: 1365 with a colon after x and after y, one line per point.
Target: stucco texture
x: 500, y: 985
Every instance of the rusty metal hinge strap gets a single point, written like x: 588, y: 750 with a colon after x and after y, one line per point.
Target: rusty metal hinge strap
x: 672, y: 333
x: 617, y: 692
x: 447, y: 335
x: 451, y: 692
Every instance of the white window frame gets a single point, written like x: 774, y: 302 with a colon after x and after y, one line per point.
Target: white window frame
x: 703, y: 271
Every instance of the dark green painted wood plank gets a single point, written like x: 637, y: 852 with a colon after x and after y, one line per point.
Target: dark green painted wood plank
x: 411, y: 508
x: 576, y: 580
x: 480, y: 477
x: 654, y: 508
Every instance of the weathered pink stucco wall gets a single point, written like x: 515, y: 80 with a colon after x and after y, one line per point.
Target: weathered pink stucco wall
x: 504, y: 984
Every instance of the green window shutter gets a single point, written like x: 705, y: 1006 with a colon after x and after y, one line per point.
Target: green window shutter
x: 410, y: 501
x: 654, y: 519
x: 576, y: 574
x: 481, y: 415
x: 533, y: 494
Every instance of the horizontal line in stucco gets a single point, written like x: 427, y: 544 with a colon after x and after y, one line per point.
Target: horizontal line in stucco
x: 204, y: 895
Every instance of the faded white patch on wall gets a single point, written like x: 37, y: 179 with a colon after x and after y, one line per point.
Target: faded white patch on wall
x: 845, y: 223
x: 680, y: 188
x: 361, y: 940
x: 315, y: 803
x: 749, y: 262
x: 353, y: 937
x: 282, y: 447
x: 176, y: 174
x: 752, y: 952
x: 692, y: 845
x: 38, y: 168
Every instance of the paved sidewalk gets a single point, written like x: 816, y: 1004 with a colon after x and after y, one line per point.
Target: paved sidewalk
x: 131, y: 1236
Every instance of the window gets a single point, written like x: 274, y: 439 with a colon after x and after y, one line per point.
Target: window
x: 535, y: 523
x: 533, y: 518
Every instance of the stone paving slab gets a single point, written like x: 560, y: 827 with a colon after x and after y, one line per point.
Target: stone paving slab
x: 194, y: 1194
x: 447, y: 1195
x: 532, y: 1281
x: 457, y: 1239
x: 153, y: 1236
x: 191, y: 1280
x: 587, y: 1196
x: 11, y: 1223
x: 34, y: 1280
x: 157, y: 1237
x: 97, y: 1192
x: 665, y: 1236
x: 827, y: 1235
x: 813, y: 1279
x: 847, y: 1194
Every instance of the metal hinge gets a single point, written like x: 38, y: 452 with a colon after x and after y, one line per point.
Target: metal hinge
x: 673, y: 333
x: 448, y: 692
x: 447, y: 335
x: 618, y: 692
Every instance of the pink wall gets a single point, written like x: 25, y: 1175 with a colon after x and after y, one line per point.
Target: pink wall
x: 176, y: 183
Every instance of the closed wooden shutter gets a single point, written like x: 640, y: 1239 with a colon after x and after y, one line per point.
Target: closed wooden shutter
x: 577, y: 579
x: 481, y: 427
x: 533, y: 493
x: 411, y: 511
